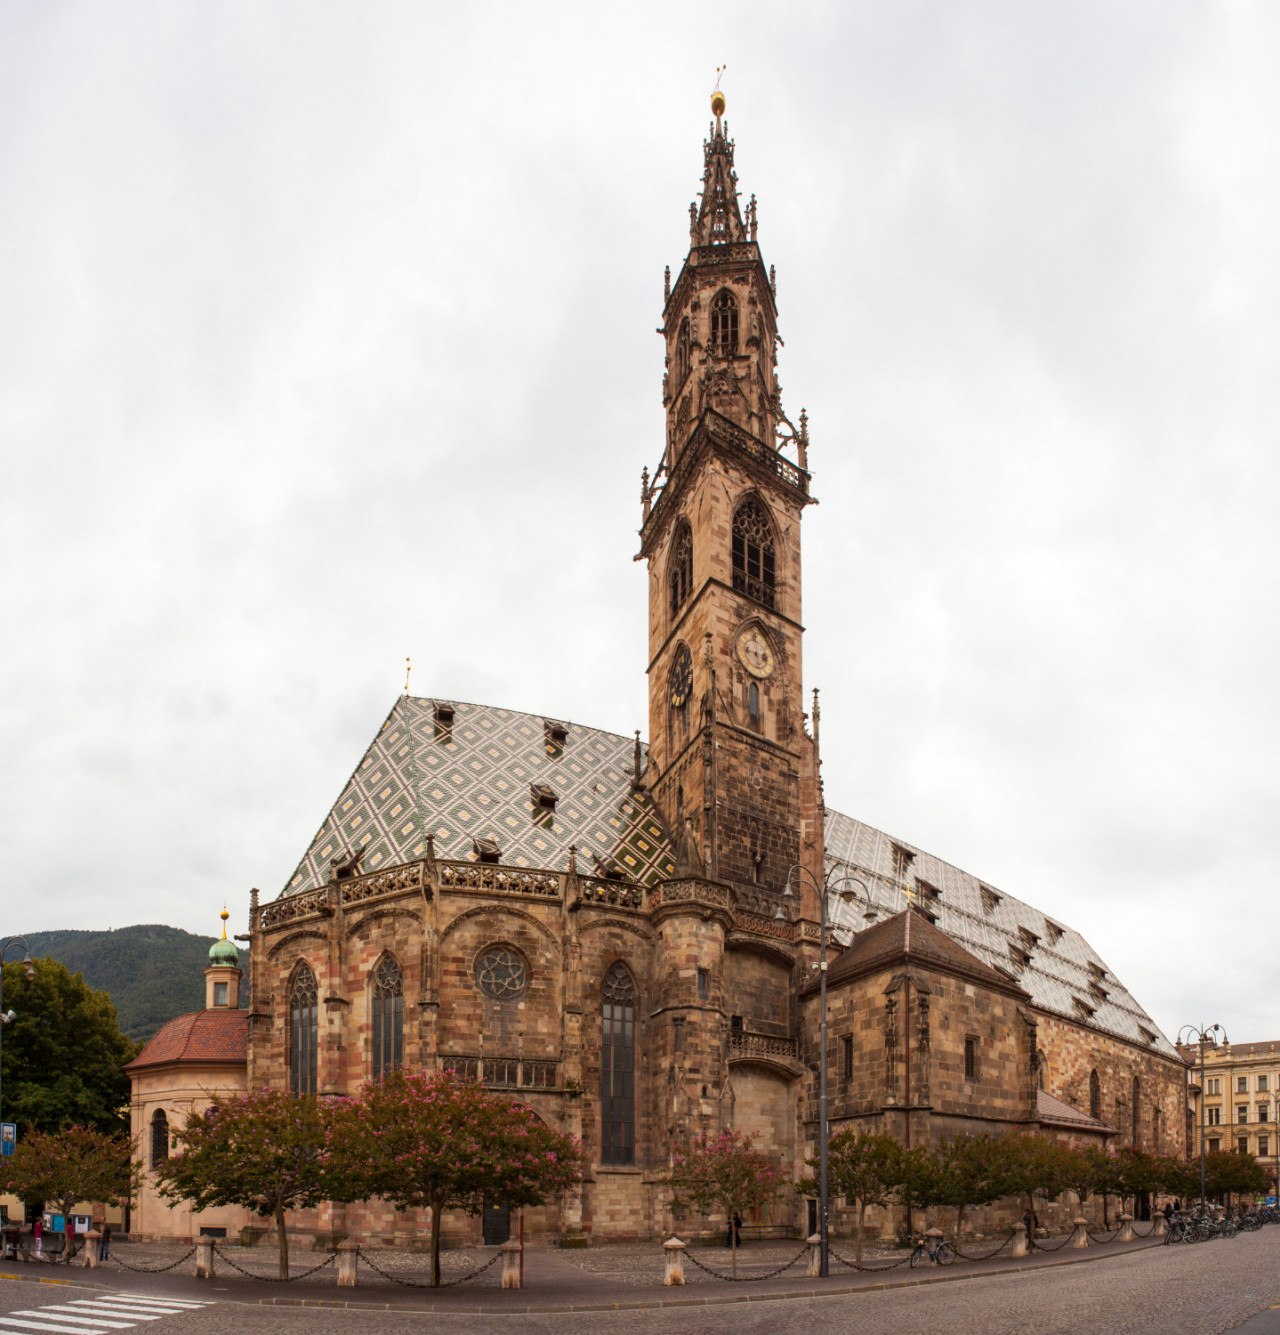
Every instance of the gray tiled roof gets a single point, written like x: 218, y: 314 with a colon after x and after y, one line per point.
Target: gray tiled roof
x: 474, y: 782
x: 1063, y: 973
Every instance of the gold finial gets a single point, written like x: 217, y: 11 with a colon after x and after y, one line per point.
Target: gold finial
x: 408, y: 668
x: 224, y: 915
x: 717, y: 97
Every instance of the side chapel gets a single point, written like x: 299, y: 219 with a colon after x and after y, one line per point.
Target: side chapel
x: 627, y: 936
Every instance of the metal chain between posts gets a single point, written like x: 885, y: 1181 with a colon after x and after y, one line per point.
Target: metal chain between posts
x: 1148, y: 1233
x: 275, y: 1279
x: 417, y: 1283
x: 965, y: 1256
x: 151, y: 1270
x: 1040, y: 1247
x: 1102, y: 1242
x: 748, y: 1279
x: 868, y: 1269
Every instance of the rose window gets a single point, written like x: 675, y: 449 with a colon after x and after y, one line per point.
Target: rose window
x: 502, y: 973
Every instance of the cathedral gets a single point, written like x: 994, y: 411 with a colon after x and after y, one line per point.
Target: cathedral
x: 630, y: 936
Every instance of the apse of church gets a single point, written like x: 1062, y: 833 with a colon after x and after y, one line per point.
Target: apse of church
x: 627, y: 935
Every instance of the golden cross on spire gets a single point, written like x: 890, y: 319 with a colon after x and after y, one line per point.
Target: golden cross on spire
x: 408, y: 667
x: 717, y: 97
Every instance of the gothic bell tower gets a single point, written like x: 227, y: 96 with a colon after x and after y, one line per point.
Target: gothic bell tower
x: 732, y: 765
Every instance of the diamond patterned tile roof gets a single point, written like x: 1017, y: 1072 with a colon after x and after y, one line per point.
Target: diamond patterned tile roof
x: 1063, y: 973
x: 472, y: 778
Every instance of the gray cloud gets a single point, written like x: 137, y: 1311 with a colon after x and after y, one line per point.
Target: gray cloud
x: 327, y: 340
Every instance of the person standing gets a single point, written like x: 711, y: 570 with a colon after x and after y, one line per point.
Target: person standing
x: 37, y: 1232
x: 106, y: 1241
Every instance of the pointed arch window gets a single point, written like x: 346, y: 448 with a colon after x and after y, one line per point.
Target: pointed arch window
x: 753, y: 554
x: 618, y: 1067
x: 684, y: 351
x: 1095, y: 1096
x: 679, y: 689
x: 304, y: 1030
x: 388, y: 1018
x: 680, y: 570
x: 753, y: 706
x: 724, y: 324
x: 1135, y: 1128
x: 159, y: 1138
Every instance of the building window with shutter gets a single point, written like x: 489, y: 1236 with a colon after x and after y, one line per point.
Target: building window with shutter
x: 971, y: 1058
x: 846, y: 1056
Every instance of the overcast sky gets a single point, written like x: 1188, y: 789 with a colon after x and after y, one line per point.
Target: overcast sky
x: 327, y: 338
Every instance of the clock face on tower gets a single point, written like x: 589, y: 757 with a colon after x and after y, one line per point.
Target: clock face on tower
x: 681, y: 678
x: 754, y: 653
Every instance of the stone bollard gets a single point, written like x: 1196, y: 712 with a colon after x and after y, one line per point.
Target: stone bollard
x: 934, y: 1235
x: 347, y: 1254
x: 510, y: 1263
x: 674, y: 1250
x: 1020, y: 1247
x: 1080, y: 1238
x: 92, y: 1249
x: 204, y: 1259
x: 1162, y: 1225
x: 1126, y: 1228
x: 815, y: 1256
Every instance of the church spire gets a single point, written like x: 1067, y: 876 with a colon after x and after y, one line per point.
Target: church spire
x: 717, y: 218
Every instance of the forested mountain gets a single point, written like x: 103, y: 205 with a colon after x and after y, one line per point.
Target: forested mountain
x: 151, y: 972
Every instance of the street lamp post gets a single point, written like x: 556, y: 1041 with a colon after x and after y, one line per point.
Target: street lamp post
x: 1205, y: 1037
x: 7, y: 1017
x: 822, y: 891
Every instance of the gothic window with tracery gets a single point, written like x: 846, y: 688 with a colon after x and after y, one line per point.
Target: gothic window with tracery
x: 1095, y: 1096
x: 304, y: 1030
x: 159, y: 1138
x: 502, y: 973
x: 724, y: 324
x: 753, y: 562
x: 680, y: 571
x: 617, y: 1067
x: 680, y: 688
x: 388, y: 1017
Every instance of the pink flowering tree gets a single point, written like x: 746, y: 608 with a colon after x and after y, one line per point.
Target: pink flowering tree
x: 725, y: 1175
x: 435, y: 1142
x: 268, y: 1150
x: 77, y: 1163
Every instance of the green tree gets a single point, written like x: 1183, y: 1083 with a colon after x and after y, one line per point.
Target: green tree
x: 434, y: 1142
x: 78, y: 1163
x: 268, y: 1150
x: 865, y: 1169
x: 62, y: 1058
x: 1229, y: 1173
x: 925, y: 1179
x: 725, y: 1175
x: 1138, y: 1171
x: 1037, y: 1164
x: 980, y: 1169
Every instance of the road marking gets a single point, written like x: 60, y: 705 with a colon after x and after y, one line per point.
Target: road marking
x: 8, y: 1322
x: 117, y: 1310
x: 167, y: 1302
x: 71, y: 1314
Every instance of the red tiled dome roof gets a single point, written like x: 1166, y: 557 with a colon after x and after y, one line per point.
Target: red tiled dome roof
x: 205, y: 1036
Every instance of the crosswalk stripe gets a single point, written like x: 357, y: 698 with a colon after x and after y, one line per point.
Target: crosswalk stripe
x: 70, y: 1314
x: 114, y: 1309
x: 148, y: 1298
x: 121, y: 1306
x: 9, y: 1323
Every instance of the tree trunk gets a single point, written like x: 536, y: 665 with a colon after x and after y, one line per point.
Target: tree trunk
x: 733, y: 1245
x: 435, y: 1245
x: 862, y: 1214
x: 1105, y: 1224
x: 283, y: 1236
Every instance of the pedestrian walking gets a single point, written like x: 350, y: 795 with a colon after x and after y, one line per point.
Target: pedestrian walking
x: 37, y: 1232
x: 106, y: 1240
x: 1168, y: 1211
x: 734, y: 1239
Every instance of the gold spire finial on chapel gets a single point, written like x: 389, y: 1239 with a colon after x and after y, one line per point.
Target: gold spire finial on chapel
x: 717, y: 97
x: 408, y: 667
x: 224, y: 915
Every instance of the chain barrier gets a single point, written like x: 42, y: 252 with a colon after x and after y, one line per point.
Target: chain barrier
x: 148, y: 1269
x: 1040, y: 1247
x: 748, y: 1279
x: 1102, y: 1242
x: 868, y: 1269
x: 274, y: 1279
x: 965, y: 1256
x: 1148, y: 1233
x: 417, y: 1283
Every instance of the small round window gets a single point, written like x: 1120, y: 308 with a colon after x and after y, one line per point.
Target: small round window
x: 502, y: 973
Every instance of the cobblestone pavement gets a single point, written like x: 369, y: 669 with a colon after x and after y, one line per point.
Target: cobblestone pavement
x: 1200, y: 1290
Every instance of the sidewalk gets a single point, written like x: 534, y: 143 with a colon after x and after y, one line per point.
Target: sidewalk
x: 553, y: 1283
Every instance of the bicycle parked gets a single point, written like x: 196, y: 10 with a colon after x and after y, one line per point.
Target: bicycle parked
x: 941, y: 1251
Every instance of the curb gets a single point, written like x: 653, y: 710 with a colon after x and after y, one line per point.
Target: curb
x: 842, y: 1292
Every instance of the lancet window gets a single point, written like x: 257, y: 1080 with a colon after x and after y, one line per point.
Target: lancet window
x: 159, y: 1138
x: 1095, y: 1095
x: 617, y: 1067
x: 724, y: 324
x: 388, y: 1017
x: 680, y: 571
x: 684, y: 351
x: 753, y: 558
x: 304, y: 1030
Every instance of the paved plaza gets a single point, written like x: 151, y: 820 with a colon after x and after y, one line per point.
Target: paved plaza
x: 1188, y: 1290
